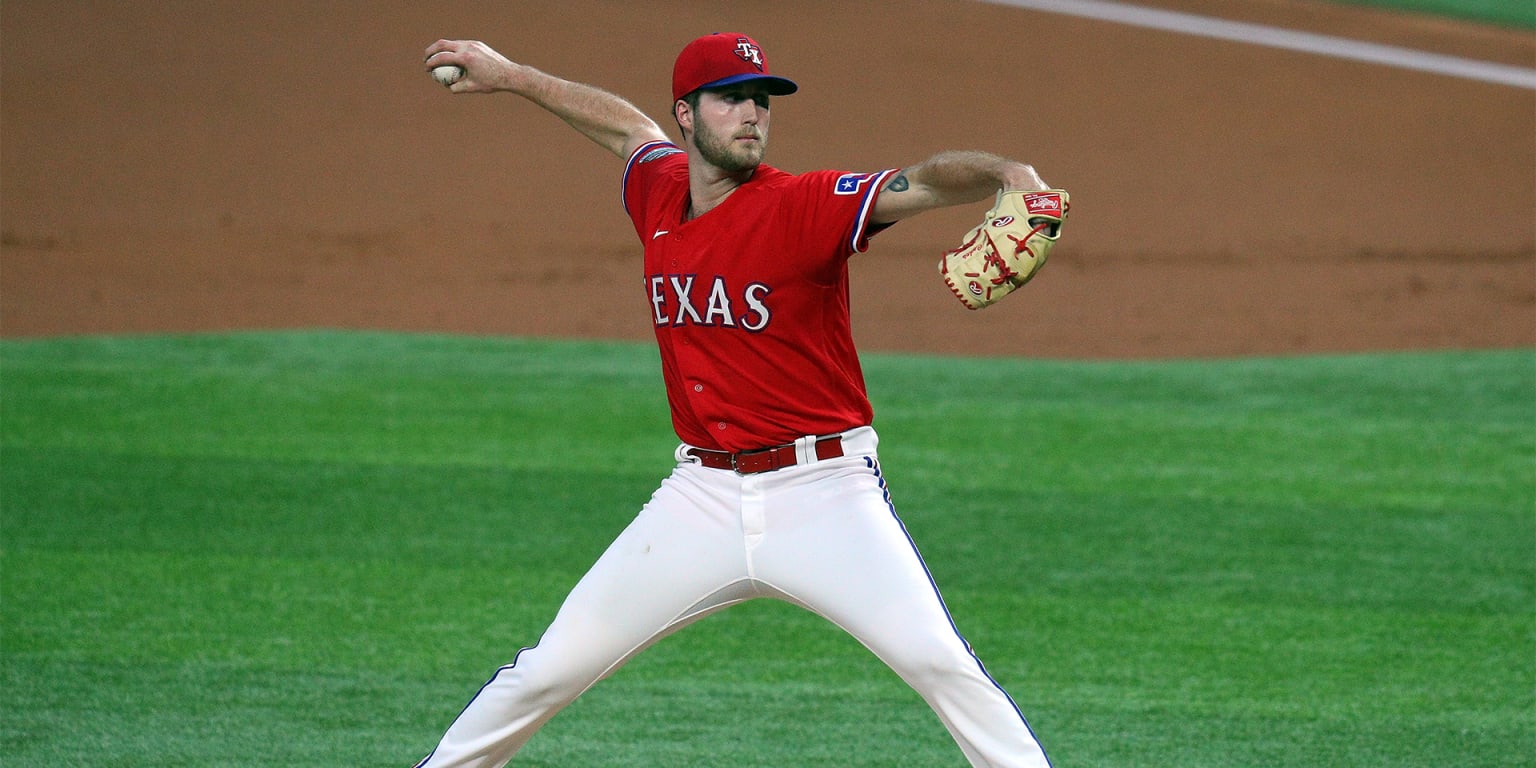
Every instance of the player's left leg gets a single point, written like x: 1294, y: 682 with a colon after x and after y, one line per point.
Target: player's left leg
x: 834, y: 544
x: 680, y: 559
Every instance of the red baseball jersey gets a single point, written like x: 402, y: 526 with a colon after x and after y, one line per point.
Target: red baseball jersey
x: 750, y: 300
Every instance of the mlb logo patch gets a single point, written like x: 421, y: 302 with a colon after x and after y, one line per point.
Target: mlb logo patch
x: 851, y: 183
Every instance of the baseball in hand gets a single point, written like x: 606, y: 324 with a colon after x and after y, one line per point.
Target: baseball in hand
x: 447, y: 74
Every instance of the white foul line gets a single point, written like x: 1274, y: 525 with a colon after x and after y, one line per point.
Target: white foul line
x: 1274, y: 37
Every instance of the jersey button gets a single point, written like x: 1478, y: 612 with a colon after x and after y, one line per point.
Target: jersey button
x: 698, y: 387
x: 720, y: 426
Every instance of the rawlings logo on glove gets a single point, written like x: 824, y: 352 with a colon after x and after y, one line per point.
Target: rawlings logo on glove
x: 1007, y: 248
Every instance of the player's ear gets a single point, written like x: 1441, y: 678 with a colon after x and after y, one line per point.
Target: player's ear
x: 683, y: 114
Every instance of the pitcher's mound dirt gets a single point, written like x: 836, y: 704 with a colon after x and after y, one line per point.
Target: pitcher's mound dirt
x: 284, y: 164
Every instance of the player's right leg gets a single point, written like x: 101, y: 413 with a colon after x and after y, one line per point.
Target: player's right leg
x: 836, y: 546
x: 680, y: 559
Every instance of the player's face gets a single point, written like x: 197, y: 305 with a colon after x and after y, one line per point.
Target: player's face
x: 730, y: 127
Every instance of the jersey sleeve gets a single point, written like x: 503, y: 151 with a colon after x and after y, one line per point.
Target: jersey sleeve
x: 649, y: 163
x: 839, y: 204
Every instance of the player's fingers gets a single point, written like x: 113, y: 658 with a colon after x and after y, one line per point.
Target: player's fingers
x: 439, y: 49
x: 445, y: 64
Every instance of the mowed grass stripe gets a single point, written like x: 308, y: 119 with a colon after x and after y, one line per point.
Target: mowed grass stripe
x: 312, y: 547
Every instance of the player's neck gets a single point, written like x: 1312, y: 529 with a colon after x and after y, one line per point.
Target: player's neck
x: 709, y: 186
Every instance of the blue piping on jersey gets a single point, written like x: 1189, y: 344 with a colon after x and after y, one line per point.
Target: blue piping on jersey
x: 861, y: 225
x: 639, y: 152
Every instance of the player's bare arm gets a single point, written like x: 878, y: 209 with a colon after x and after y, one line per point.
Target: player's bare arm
x: 609, y: 120
x: 953, y: 177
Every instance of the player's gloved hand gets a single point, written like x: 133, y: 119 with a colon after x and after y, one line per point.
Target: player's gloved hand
x: 1007, y: 248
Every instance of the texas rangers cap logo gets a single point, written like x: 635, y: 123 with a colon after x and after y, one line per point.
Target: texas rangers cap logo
x: 749, y: 52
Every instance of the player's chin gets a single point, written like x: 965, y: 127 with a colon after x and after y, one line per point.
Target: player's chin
x: 749, y: 152
x: 735, y: 156
x: 737, y: 162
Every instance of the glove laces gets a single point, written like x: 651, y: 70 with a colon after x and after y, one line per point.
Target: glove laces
x: 1005, y: 271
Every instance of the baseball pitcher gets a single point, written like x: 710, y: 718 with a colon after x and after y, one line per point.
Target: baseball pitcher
x: 778, y: 490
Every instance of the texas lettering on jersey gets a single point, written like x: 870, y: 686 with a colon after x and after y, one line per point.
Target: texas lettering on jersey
x: 751, y: 298
x: 678, y: 300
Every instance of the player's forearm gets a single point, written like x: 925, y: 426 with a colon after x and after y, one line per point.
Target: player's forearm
x: 609, y: 120
x: 954, y: 177
x: 957, y: 177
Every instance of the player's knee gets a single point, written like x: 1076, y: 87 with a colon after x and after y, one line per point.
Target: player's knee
x: 542, y: 685
x: 555, y: 689
x: 932, y: 658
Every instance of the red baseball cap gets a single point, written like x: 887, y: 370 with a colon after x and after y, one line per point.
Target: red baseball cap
x: 724, y: 58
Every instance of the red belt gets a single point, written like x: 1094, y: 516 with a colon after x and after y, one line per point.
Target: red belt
x: 765, y: 459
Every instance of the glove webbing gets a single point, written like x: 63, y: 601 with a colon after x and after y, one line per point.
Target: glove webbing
x: 1004, y: 271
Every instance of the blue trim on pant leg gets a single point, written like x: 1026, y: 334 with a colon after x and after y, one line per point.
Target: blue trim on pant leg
x: 471, y: 701
x: 874, y: 466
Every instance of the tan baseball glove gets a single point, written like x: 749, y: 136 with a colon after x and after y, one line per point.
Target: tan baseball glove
x: 1007, y: 249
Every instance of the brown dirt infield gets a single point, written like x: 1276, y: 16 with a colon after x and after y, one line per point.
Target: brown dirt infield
x: 231, y: 165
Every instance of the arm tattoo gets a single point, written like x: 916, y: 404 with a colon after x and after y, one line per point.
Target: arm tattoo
x: 898, y: 184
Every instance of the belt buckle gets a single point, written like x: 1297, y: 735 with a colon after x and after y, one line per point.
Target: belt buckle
x: 736, y: 460
x: 773, y: 462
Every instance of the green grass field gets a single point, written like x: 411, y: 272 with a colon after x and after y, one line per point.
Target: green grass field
x: 1509, y: 13
x: 311, y: 548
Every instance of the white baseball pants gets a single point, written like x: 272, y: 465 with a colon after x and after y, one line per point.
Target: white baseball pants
x: 822, y: 536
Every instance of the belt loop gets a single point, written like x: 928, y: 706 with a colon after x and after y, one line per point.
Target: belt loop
x: 805, y: 449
